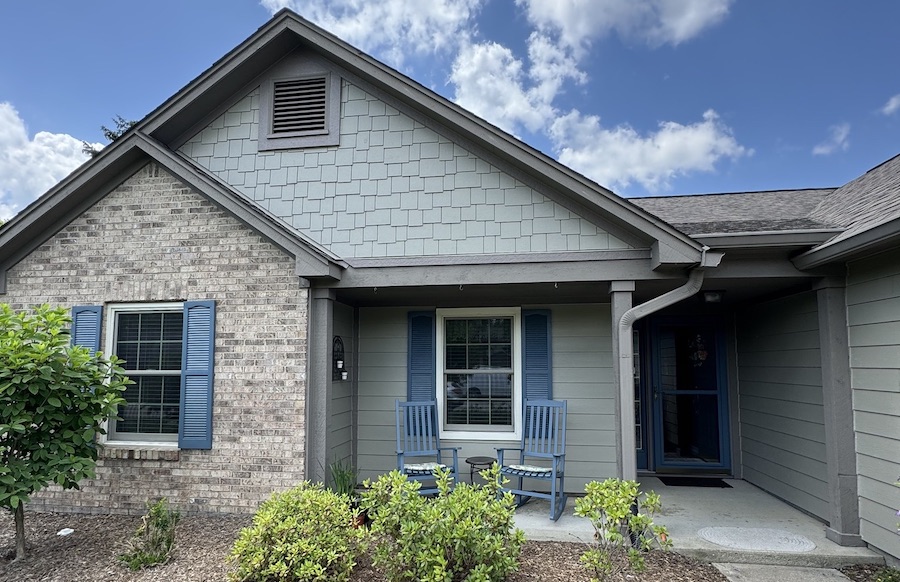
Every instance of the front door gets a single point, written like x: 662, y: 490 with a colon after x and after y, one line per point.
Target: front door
x: 688, y: 392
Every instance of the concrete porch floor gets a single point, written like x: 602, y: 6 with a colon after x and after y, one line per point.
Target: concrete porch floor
x: 687, y: 510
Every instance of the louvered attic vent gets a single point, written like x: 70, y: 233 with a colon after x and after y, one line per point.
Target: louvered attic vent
x: 299, y: 106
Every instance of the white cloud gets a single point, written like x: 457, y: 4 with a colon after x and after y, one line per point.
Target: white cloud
x: 837, y: 140
x: 519, y: 93
x: 656, y: 22
x: 392, y: 27
x: 29, y: 167
x: 489, y: 82
x: 619, y: 156
x: 892, y: 106
x: 492, y: 83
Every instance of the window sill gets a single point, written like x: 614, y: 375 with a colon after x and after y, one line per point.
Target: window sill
x: 140, y: 452
x: 476, y: 435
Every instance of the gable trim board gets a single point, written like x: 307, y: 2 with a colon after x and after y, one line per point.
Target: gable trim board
x: 169, y: 122
x: 93, y: 181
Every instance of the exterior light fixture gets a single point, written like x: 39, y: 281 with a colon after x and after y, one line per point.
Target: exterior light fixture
x: 713, y: 296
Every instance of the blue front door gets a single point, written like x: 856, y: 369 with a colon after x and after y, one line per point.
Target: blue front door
x: 689, y: 396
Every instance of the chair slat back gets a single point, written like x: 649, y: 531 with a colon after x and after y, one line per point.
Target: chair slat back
x: 545, y: 428
x: 417, y: 427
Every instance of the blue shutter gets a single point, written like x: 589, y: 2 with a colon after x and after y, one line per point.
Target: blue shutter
x: 86, y: 320
x: 420, y: 379
x: 195, y: 424
x: 537, y: 380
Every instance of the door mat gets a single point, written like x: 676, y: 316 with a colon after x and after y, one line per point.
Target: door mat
x: 694, y: 482
x: 758, y: 539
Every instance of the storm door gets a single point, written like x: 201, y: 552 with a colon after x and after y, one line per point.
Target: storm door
x: 688, y: 391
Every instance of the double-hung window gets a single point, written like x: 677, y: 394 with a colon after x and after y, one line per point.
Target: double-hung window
x: 149, y: 338
x: 478, y: 365
x: 167, y: 350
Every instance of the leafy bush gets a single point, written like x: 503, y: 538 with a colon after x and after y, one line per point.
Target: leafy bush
x: 463, y: 534
x: 54, y: 400
x: 623, y: 526
x: 303, y: 534
x: 888, y: 574
x: 152, y: 543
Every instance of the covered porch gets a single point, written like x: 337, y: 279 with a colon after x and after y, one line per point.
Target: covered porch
x: 692, y: 514
x: 774, y: 413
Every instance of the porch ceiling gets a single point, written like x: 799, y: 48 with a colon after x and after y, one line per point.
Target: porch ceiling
x: 738, y: 291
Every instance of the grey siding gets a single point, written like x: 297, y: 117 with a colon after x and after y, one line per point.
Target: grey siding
x: 873, y: 318
x: 339, y: 428
x: 382, y: 379
x: 392, y: 188
x: 781, y: 402
x: 582, y: 375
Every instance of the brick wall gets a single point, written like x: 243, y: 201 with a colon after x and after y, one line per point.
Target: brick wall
x: 153, y: 239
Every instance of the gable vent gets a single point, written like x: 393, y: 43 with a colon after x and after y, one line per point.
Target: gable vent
x: 299, y: 106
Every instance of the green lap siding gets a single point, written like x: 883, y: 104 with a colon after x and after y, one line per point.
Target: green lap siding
x: 781, y: 401
x: 582, y: 374
x: 340, y: 438
x: 873, y: 317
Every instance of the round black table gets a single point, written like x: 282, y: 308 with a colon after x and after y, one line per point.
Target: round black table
x: 479, y: 463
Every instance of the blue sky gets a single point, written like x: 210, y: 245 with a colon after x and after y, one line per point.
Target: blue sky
x: 647, y: 97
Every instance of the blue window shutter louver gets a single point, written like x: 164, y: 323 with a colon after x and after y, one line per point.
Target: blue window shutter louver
x: 86, y: 320
x: 195, y: 425
x: 420, y: 381
x: 537, y: 381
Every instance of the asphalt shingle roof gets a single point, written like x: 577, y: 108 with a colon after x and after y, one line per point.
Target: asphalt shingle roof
x: 778, y: 210
x: 866, y: 202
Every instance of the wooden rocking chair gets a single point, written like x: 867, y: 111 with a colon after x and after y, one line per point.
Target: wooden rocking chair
x: 542, y: 455
x: 417, y: 438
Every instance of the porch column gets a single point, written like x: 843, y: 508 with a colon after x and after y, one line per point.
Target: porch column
x: 840, y: 449
x: 318, y: 404
x: 620, y: 293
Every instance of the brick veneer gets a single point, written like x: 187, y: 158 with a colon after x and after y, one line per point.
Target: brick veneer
x: 153, y: 239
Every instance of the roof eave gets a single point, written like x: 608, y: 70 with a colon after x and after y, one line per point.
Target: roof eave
x: 46, y: 216
x: 767, y: 238
x: 875, y: 239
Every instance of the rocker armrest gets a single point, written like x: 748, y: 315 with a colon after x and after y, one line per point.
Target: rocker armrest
x: 502, y: 450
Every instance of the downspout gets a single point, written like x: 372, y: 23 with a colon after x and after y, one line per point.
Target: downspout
x: 626, y: 352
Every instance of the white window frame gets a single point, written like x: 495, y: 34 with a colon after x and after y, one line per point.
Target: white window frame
x: 113, y: 309
x: 481, y: 432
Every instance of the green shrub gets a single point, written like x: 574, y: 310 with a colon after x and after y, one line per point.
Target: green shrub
x: 617, y: 528
x: 302, y: 534
x: 463, y: 534
x: 152, y: 543
x: 888, y: 574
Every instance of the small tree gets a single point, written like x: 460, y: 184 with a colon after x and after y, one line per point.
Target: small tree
x: 54, y: 399
x: 111, y: 135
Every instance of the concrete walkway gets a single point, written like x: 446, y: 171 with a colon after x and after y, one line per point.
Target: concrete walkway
x: 743, y: 508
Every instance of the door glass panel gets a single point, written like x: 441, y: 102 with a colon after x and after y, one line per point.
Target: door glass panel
x: 690, y: 428
x: 688, y: 359
x: 688, y: 397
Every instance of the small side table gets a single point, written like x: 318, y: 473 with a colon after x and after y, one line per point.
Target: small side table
x: 480, y: 463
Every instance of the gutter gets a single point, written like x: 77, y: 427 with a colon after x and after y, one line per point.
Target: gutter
x: 708, y: 260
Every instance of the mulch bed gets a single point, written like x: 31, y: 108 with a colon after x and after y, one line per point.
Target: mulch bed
x: 203, y: 542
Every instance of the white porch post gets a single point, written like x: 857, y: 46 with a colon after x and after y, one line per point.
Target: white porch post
x: 620, y: 293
